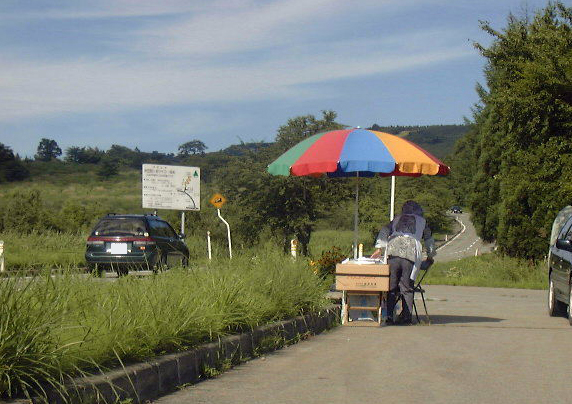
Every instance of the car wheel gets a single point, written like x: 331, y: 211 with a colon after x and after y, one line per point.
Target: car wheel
x: 185, y: 262
x: 95, y: 270
x: 122, y: 270
x: 160, y: 263
x: 555, y: 307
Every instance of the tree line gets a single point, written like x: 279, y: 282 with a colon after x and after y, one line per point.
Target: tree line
x: 514, y: 167
x: 261, y: 206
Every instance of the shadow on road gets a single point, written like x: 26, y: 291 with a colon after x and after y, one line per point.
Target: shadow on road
x: 445, y: 319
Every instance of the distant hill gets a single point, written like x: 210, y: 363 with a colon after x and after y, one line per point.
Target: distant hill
x: 439, y: 140
x: 245, y: 148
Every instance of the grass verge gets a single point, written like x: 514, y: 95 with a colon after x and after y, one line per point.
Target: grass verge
x: 53, y: 328
x: 490, y: 270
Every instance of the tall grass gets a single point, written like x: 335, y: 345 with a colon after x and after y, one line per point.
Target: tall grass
x: 50, y: 249
x: 39, y: 250
x: 490, y: 270
x: 51, y: 328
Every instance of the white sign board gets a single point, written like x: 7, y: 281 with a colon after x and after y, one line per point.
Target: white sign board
x: 171, y: 187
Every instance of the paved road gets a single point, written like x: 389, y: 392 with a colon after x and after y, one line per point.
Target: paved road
x: 485, y: 346
x: 465, y: 244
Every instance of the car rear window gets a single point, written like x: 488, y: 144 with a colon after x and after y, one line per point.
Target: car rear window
x: 120, y: 227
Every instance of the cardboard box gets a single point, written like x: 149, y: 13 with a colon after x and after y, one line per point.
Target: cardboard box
x: 357, y: 269
x: 356, y: 277
x: 362, y: 283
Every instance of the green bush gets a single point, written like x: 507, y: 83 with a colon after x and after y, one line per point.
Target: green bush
x: 22, y: 211
x: 53, y: 328
x: 490, y: 270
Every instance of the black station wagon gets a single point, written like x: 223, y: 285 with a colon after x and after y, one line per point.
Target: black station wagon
x: 560, y: 272
x: 121, y: 242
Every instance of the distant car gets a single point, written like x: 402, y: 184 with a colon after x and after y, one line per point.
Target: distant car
x: 560, y: 269
x: 119, y: 242
x: 456, y: 209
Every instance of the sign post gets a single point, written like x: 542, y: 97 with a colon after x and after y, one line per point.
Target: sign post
x: 171, y: 187
x: 217, y: 201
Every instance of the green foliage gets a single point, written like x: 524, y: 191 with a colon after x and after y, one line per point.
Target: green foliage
x: 22, y: 211
x: 108, y: 169
x: 325, y: 264
x: 432, y: 193
x: 439, y: 140
x: 521, y: 145
x: 11, y: 168
x: 260, y: 206
x: 48, y: 149
x: 84, y: 155
x: 54, y: 327
x: 192, y: 147
x: 490, y: 270
x: 46, y: 249
x: 287, y: 207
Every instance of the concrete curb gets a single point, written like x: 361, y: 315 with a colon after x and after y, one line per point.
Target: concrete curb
x: 161, y: 375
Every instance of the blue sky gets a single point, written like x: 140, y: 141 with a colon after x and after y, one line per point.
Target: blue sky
x: 155, y: 74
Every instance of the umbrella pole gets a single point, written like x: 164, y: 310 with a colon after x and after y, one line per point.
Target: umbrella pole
x: 392, y: 203
x: 356, y: 217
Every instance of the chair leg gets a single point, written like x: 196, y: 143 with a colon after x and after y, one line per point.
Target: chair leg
x: 425, y: 306
x: 415, y: 309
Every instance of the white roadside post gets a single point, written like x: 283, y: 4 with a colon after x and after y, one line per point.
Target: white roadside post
x: 183, y: 222
x: 360, y: 250
x: 217, y: 201
x: 209, y: 245
x: 2, y: 269
x: 227, y: 232
x: 293, y: 247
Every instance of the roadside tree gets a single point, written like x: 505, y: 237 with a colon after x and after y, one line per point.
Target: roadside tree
x: 191, y: 148
x: 523, y: 144
x: 48, y: 149
x: 11, y: 168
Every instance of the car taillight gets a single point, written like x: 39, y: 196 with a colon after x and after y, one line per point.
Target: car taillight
x: 142, y: 244
x: 94, y: 241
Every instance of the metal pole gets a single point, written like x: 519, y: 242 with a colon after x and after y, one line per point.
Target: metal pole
x: 392, y: 203
x: 209, y: 245
x: 227, y: 232
x: 183, y: 222
x: 356, y: 217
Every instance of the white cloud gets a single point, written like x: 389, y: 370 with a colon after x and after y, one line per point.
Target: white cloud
x: 295, y: 44
x: 107, y: 9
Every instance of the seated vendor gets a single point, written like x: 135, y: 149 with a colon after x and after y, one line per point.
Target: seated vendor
x: 402, y: 239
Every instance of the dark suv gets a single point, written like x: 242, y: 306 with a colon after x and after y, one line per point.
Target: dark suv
x: 560, y: 272
x: 456, y: 209
x: 137, y: 241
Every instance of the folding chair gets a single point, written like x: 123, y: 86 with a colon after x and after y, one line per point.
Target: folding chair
x: 425, y: 265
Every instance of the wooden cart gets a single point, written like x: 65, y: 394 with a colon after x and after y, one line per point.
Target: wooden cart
x: 358, y: 280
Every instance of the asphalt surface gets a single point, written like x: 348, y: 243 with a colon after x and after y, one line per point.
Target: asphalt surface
x: 484, y: 346
x: 465, y: 244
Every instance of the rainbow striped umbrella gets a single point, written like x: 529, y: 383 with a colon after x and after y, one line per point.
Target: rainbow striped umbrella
x: 357, y: 153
